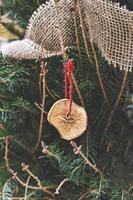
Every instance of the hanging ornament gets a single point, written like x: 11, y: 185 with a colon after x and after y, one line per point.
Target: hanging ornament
x: 66, y: 116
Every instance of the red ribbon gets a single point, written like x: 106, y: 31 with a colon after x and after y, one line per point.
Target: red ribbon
x: 68, y: 70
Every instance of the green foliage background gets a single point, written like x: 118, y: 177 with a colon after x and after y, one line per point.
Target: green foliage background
x: 19, y: 120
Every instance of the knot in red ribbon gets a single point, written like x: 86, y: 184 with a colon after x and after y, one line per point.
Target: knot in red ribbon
x: 70, y: 66
x: 69, y: 69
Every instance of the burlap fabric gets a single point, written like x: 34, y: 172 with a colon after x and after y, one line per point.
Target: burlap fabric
x: 42, y: 34
x: 109, y: 26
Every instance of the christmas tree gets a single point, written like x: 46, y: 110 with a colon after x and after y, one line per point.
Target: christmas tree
x: 36, y: 162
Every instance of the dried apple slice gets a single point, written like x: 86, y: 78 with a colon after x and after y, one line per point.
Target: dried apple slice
x: 69, y: 126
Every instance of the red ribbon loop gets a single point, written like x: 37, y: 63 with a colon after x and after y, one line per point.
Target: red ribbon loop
x: 68, y: 70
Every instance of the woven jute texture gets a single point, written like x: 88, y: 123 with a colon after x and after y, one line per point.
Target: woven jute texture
x: 111, y: 28
x: 42, y: 34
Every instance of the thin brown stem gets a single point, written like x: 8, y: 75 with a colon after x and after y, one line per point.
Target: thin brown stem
x: 78, y: 91
x: 26, y: 189
x: 42, y: 107
x: 38, y: 2
x: 94, y: 167
x: 99, y: 75
x: 60, y: 32
x: 50, y: 93
x: 83, y: 31
x: 60, y: 185
x: 82, y: 197
x: 100, y: 188
x: 76, y: 30
x: 77, y: 150
x: 6, y: 154
x: 115, y: 105
x: 93, y: 49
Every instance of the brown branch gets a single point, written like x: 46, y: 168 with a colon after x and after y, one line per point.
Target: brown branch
x: 85, y: 194
x: 50, y: 93
x: 38, y: 2
x: 6, y: 140
x: 22, y: 183
x: 99, y: 75
x: 77, y: 150
x: 40, y: 108
x: 83, y: 30
x: 43, y: 75
x: 115, y: 106
x: 45, y: 149
x: 93, y: 50
x: 60, y: 33
x: 78, y: 91
x: 26, y: 189
x: 22, y: 145
x: 60, y: 185
x: 25, y: 168
x: 76, y: 30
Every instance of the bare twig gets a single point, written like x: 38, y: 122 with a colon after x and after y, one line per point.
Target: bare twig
x: 77, y: 150
x: 40, y: 108
x: 78, y: 91
x: 85, y: 194
x: 93, y: 50
x: 99, y: 75
x: 43, y: 75
x: 76, y: 30
x: 100, y: 188
x: 45, y: 150
x: 6, y: 140
x: 38, y: 2
x: 115, y: 106
x: 39, y: 185
x: 83, y: 30
x: 130, y: 188
x: 22, y: 144
x: 50, y: 93
x: 26, y: 189
x: 60, y: 185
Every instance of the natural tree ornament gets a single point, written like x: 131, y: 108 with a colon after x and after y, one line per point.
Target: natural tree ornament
x: 69, y: 126
x: 108, y: 25
x: 66, y: 111
x: 68, y: 118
